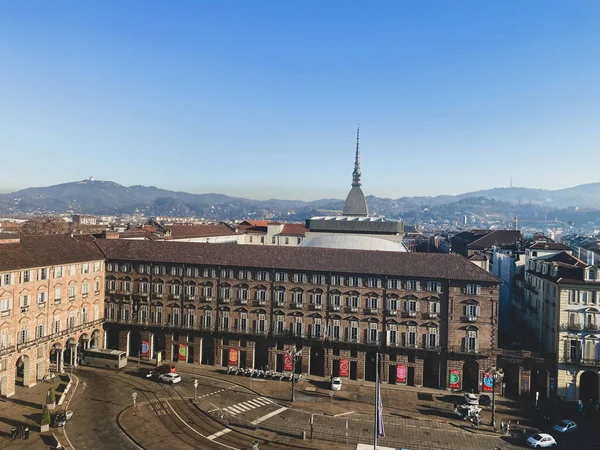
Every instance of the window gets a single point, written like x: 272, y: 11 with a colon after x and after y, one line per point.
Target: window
x: 22, y: 336
x: 85, y: 268
x: 317, y: 299
x: 57, y: 293
x: 243, y: 321
x: 6, y: 304
x: 372, y: 302
x: 207, y: 291
x: 392, y: 334
x: 39, y: 331
x: 373, y: 282
x: 159, y: 314
x: 335, y: 330
x: 243, y: 293
x: 354, y: 301
x: 58, y: 272
x: 434, y: 308
x: 318, y: 279
x: 6, y: 280
x: 432, y: 337
x: 372, y: 336
x: 158, y: 288
x: 299, y: 278
x: 208, y: 273
x: 299, y: 326
x: 225, y: 292
x: 592, y: 275
x: 85, y: 288
x: 225, y: 320
x: 337, y: 280
x: 411, y: 336
x: 262, y: 276
x: 353, y: 281
x: 84, y: 315
x: 245, y: 275
x: 473, y: 289
x: 73, y: 270
x: 227, y: 273
x: 280, y: 296
x: 144, y: 286
x: 287, y: 241
x: 336, y: 300
x: 280, y: 276
x: 574, y: 320
x: 299, y: 241
x: 280, y: 324
x: 251, y: 239
x: 98, y: 266
x: 126, y: 285
x: 354, y: 331
x: 25, y: 276
x: 43, y: 274
x: 71, y: 291
x: 472, y: 311
x: 297, y: 297
x: 41, y: 297
x: 412, y: 285
x: 317, y: 328
x: 273, y: 240
x: 412, y: 306
x: 144, y: 313
x: 24, y: 301
x: 434, y: 286
x: 71, y: 319
x: 111, y: 285
x: 175, y: 289
x: 573, y: 296
x: 393, y: 304
x: 125, y: 312
x: 56, y: 325
x: 262, y: 323
x: 96, y: 287
x: 393, y: 284
x: 261, y: 295
x: 471, y: 344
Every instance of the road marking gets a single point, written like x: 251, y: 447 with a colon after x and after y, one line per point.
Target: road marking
x: 245, y: 407
x: 268, y: 416
x: 212, y: 437
x: 195, y: 431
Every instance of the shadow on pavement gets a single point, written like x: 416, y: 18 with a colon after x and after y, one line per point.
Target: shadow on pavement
x: 437, y: 412
x: 24, y: 402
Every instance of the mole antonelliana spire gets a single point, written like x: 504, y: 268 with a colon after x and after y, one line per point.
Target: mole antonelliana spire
x: 355, y: 204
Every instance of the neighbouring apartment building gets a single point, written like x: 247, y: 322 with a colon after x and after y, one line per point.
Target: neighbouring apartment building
x: 51, y: 300
x: 562, y: 299
x: 431, y: 317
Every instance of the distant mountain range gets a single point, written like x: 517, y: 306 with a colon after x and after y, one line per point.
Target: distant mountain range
x: 109, y: 198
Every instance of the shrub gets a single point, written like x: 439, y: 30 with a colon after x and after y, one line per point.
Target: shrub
x: 46, y: 416
x: 50, y: 397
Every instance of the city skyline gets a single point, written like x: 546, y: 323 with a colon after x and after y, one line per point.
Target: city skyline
x: 262, y: 100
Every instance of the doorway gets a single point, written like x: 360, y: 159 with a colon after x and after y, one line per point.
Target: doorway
x: 22, y: 368
x: 471, y: 376
x: 588, y: 387
x: 317, y: 361
x: 353, y: 369
x: 410, y: 376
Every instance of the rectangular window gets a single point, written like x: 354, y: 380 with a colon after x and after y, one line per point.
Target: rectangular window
x: 98, y: 266
x: 336, y: 280
x: 72, y: 270
x: 71, y: 291
x: 354, y: 331
x: 24, y: 301
x: 432, y: 338
x: 354, y: 281
x: 354, y: 301
x: 273, y: 240
x: 473, y: 289
x: 413, y: 285
x: 56, y: 326
x: 280, y: 276
x: 318, y: 279
x: 41, y: 297
x: 85, y: 288
x: 58, y: 272
x: 6, y: 279
x: 393, y: 333
x: 373, y: 282
x: 393, y: 284
x: 244, y: 321
x: 336, y: 300
x: 372, y: 302
x: 411, y: 336
x: 393, y: 302
x: 373, y: 332
x: 97, y: 287
x: 472, y: 311
x: 471, y: 341
x: 299, y: 326
x: 85, y: 268
x: 43, y: 274
x: 280, y: 324
x: 6, y: 304
x: 25, y: 276
x: 434, y: 286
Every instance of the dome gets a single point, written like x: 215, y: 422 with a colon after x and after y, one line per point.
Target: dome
x: 354, y: 242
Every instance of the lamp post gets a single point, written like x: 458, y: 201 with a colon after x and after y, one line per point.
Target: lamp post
x: 496, y: 375
x: 295, y: 355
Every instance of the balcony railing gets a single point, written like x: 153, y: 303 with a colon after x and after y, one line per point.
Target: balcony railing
x: 409, y: 314
x: 352, y: 340
x: 58, y: 335
x: 573, y: 326
x: 469, y: 318
x: 591, y: 326
x: 5, y: 350
x: 297, y: 305
x: 335, y: 307
x: 317, y: 307
x: 580, y: 361
x: 142, y: 294
x: 243, y: 301
x: 352, y: 309
x: 391, y: 312
x: 225, y: 300
x: 372, y: 341
x: 531, y: 287
x: 371, y: 310
x: 433, y: 315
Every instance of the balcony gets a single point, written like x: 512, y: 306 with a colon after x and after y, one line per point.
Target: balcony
x: 391, y: 312
x: 433, y: 315
x: 260, y: 332
x: 297, y: 305
x: 124, y: 292
x: 225, y: 300
x: 574, y: 326
x: 175, y: 296
x: 393, y: 344
x: 280, y: 333
x: 207, y: 299
x: 372, y: 341
x: 143, y: 294
x: 469, y: 319
x: 335, y: 338
x: 6, y: 349
x: 532, y: 288
x: 409, y: 314
x: 111, y: 291
x: 50, y: 337
x: 242, y: 330
x: 432, y: 348
x: 316, y: 307
x: 580, y: 361
x: 371, y: 310
x: 279, y: 304
x: 353, y: 309
x: 352, y: 340
x: 243, y: 301
x: 260, y: 302
x: 335, y: 307
x: 157, y: 295
x: 591, y: 327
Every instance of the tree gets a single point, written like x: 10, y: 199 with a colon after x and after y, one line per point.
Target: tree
x: 44, y: 225
x: 46, y: 419
x: 50, y: 397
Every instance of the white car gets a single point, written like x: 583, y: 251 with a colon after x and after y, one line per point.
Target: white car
x: 170, y: 378
x: 541, y: 440
x: 565, y: 426
x: 471, y: 399
x: 336, y: 384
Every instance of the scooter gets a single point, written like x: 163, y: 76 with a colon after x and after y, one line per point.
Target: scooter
x: 13, y: 433
x: 231, y: 370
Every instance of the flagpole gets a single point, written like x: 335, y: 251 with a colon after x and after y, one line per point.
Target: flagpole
x: 376, y: 401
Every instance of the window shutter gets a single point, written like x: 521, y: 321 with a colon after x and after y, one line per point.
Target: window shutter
x: 418, y: 283
x: 465, y: 309
x: 477, y: 311
x: 416, y: 306
x: 464, y: 343
x: 477, y: 344
x: 366, y: 333
x: 310, y: 329
x: 10, y: 303
x: 346, y: 333
x: 387, y: 336
x: 404, y: 338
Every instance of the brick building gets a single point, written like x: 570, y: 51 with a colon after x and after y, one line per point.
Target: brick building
x: 51, y: 297
x: 428, y: 315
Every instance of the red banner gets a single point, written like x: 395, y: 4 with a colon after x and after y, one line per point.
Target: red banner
x: 400, y: 373
x: 288, y: 364
x: 233, y: 357
x: 182, y: 352
x: 145, y: 349
x: 344, y: 363
x: 454, y: 378
x: 488, y: 382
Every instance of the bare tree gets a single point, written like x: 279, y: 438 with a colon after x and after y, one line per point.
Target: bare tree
x: 45, y: 225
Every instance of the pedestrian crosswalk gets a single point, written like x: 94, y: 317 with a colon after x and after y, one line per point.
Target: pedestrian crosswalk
x: 248, y: 405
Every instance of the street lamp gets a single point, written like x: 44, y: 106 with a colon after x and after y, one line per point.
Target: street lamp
x: 295, y: 355
x: 497, y: 375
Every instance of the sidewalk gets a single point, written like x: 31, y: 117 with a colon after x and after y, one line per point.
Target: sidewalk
x: 25, y: 408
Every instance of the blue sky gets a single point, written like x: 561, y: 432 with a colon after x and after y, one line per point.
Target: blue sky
x: 262, y: 98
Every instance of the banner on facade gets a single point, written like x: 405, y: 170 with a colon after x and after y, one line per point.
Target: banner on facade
x: 145, y: 349
x: 182, y: 352
x: 454, y: 378
x: 288, y: 364
x: 400, y: 373
x: 488, y: 382
x: 233, y: 357
x: 344, y: 363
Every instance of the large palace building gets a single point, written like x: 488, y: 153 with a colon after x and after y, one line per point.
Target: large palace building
x: 51, y: 305
x: 431, y: 317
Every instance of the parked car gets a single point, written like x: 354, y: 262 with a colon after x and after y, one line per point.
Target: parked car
x: 166, y: 368
x: 336, y: 384
x: 170, y: 378
x: 541, y: 440
x: 471, y: 399
x: 565, y: 426
x: 485, y: 400
x: 144, y: 372
x: 60, y: 418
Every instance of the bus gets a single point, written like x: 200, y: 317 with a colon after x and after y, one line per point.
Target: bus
x: 111, y: 359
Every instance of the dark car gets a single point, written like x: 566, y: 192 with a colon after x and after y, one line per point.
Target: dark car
x: 485, y: 400
x: 144, y: 372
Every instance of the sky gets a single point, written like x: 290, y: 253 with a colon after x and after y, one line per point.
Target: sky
x: 262, y: 99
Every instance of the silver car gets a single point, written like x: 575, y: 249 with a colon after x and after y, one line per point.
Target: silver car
x: 170, y: 378
x: 565, y: 426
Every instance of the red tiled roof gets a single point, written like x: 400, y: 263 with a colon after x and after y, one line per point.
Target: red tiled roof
x: 294, y: 229
x: 256, y: 223
x: 191, y: 231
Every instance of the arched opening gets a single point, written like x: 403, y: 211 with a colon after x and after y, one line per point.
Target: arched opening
x: 135, y: 343
x: 261, y: 355
x: 22, y: 371
x: 588, y: 387
x: 471, y: 375
x: 317, y: 360
x: 56, y: 363
x: 431, y: 371
x: 159, y: 343
x: 71, y: 352
x: 95, y: 340
x: 112, y: 338
x: 370, y: 366
x: 208, y: 351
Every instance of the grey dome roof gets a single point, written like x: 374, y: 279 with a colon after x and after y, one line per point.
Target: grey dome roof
x: 355, y: 204
x: 354, y: 242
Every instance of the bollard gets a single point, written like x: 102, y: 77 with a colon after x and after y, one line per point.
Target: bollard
x: 304, y: 435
